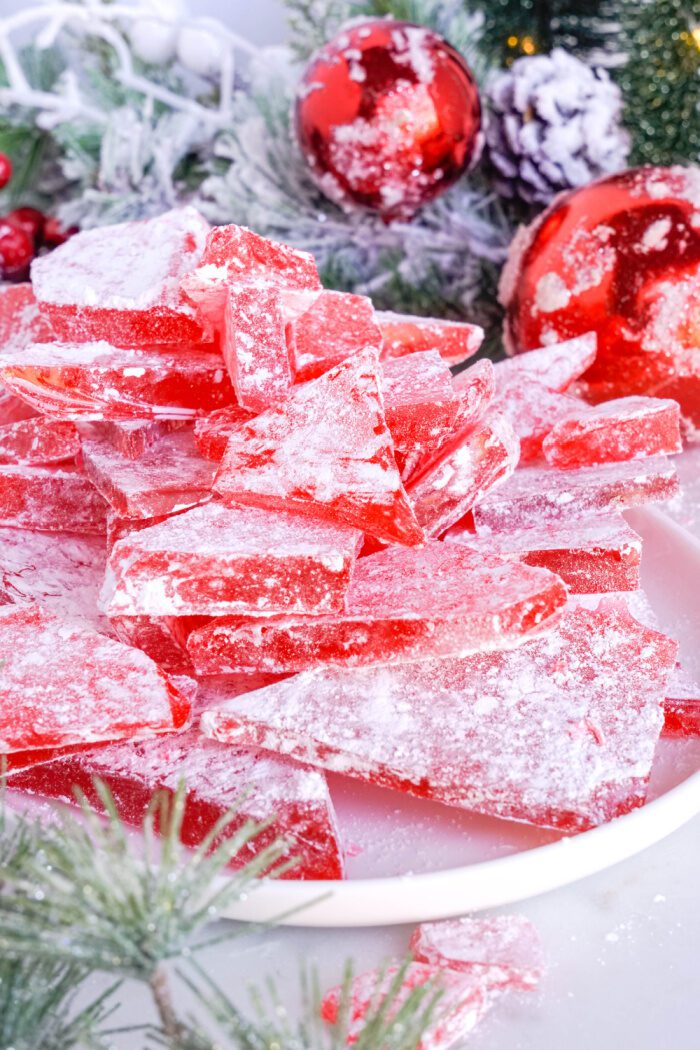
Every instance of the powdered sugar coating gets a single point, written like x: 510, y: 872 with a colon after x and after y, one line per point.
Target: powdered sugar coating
x: 95, y: 381
x: 420, y: 402
x: 333, y: 327
x: 326, y: 452
x: 63, y: 684
x: 38, y: 441
x: 405, y: 334
x: 438, y: 600
x: 170, y: 476
x: 254, y: 345
x: 51, y: 499
x: 542, y: 494
x: 216, y: 560
x: 579, y: 707
x: 21, y: 322
x: 555, y: 366
x: 211, y: 433
x: 533, y: 410
x: 150, y: 634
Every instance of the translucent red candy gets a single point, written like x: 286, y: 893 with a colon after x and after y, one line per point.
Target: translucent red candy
x: 169, y: 477
x: 446, y: 488
x: 532, y: 409
x: 332, y: 327
x: 628, y: 428
x: 61, y: 571
x: 133, y: 437
x: 64, y: 684
x: 211, y: 433
x: 254, y: 345
x: 439, y: 600
x: 122, y: 282
x: 464, y: 1000
x: 234, y: 255
x: 592, y: 555
x: 504, y: 949
x: 51, y: 499
x: 13, y: 409
x: 559, y: 732
x: 21, y: 321
x: 94, y: 381
x: 420, y: 402
x: 326, y: 452
x: 262, y: 787
x: 38, y: 441
x: 404, y: 334
x: 215, y: 560
x: 537, y: 494
x: 555, y: 367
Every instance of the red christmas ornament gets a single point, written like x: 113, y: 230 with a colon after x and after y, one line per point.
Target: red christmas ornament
x: 620, y: 257
x: 31, y: 220
x: 5, y: 170
x: 388, y: 116
x: 16, y: 251
x: 55, y: 233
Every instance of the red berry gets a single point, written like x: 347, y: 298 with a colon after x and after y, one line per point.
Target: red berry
x: 31, y: 220
x: 5, y: 170
x: 54, y: 232
x: 16, y: 249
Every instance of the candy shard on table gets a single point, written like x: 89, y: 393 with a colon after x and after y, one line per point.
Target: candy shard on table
x: 261, y: 787
x: 402, y: 604
x: 504, y: 949
x: 215, y: 560
x: 405, y: 334
x: 420, y: 402
x: 536, y: 494
x: 64, y: 684
x: 328, y: 328
x: 591, y: 555
x: 97, y: 381
x: 38, y: 441
x: 255, y: 346
x: 169, y: 477
x: 580, y: 708
x: 555, y: 366
x: 327, y: 453
x: 464, y: 472
x: 50, y: 499
x: 615, y: 431
x: 122, y: 282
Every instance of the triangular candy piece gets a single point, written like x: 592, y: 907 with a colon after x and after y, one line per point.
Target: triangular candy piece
x: 326, y: 452
x: 405, y: 334
x: 332, y: 327
x: 555, y: 367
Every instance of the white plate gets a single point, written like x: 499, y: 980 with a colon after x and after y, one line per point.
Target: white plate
x: 415, y: 860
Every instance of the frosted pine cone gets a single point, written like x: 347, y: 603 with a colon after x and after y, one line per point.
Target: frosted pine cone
x: 554, y: 123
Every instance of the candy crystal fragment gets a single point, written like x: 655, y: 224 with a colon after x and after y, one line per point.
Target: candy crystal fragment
x: 132, y: 437
x: 579, y: 707
x: 215, y: 560
x: 591, y: 555
x: 629, y: 428
x: 401, y: 605
x: 420, y: 403
x: 211, y: 433
x: 533, y: 410
x: 38, y: 441
x: 261, y: 787
x: 504, y: 949
x: 538, y: 494
x: 326, y: 452
x: 254, y: 345
x: 170, y: 476
x: 14, y: 409
x: 151, y: 636
x: 64, y: 684
x: 333, y: 327
x: 404, y: 334
x: 463, y: 473
x: 122, y: 282
x: 21, y: 322
x: 554, y: 367
x: 52, y: 499
x: 94, y: 381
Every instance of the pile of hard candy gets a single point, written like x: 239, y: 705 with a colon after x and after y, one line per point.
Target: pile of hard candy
x: 315, y: 548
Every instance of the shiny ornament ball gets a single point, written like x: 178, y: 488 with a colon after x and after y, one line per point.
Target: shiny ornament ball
x: 31, y: 220
x: 200, y: 50
x: 153, y: 40
x: 5, y: 170
x: 620, y: 257
x: 16, y: 251
x: 388, y: 117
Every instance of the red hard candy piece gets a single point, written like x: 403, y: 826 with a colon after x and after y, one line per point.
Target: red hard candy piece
x: 21, y: 322
x: 327, y: 453
x: 330, y: 327
x: 556, y: 367
x: 404, y: 334
x: 133, y: 437
x: 533, y: 410
x: 401, y: 605
x: 215, y: 560
x: 420, y: 402
x: 628, y: 428
x: 122, y: 283
x: 591, y: 555
x: 38, y: 441
x: 97, y: 381
x: 505, y: 950
x: 580, y: 709
x: 64, y: 684
x: 152, y: 636
x: 463, y: 473
x: 50, y: 499
x: 171, y: 476
x: 254, y: 345
x: 211, y: 433
x: 540, y: 494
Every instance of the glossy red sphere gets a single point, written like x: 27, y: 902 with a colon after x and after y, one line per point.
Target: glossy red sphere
x: 620, y: 257
x: 16, y: 251
x: 5, y: 170
x: 31, y: 220
x: 388, y: 116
